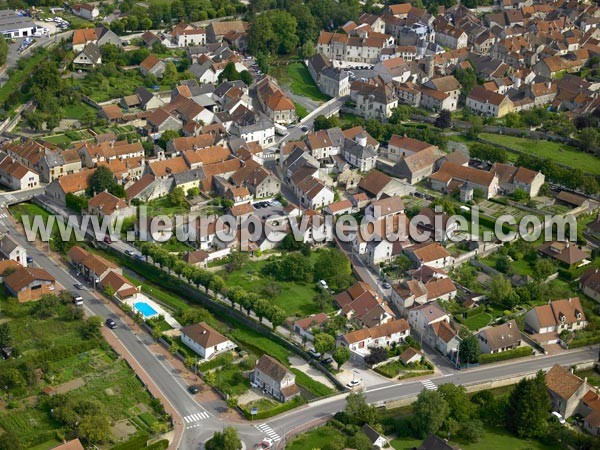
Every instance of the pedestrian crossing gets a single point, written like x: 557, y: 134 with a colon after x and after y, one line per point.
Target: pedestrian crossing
x: 3, y: 215
x: 268, y: 431
x: 429, y: 385
x: 193, y: 418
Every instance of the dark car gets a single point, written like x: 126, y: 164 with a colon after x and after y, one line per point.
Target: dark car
x: 327, y: 361
x: 110, y: 323
x: 304, y: 128
x: 128, y: 252
x: 193, y: 389
x: 107, y: 239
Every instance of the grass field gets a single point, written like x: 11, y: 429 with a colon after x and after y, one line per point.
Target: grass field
x: 560, y: 153
x: 478, y: 321
x: 301, y: 83
x: 301, y: 111
x: 104, y: 89
x: 315, y: 439
x: 162, y: 206
x: 493, y: 439
x: 78, y: 110
x: 295, y: 298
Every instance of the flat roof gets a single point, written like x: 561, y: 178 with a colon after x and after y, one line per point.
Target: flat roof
x: 10, y: 21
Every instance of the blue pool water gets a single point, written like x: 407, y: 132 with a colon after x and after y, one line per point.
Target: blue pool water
x: 145, y: 309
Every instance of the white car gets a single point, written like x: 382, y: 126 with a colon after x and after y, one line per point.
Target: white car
x: 353, y: 384
x: 560, y: 418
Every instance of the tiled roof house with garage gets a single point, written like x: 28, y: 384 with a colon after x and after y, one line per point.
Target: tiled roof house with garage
x: 29, y: 283
x: 205, y: 340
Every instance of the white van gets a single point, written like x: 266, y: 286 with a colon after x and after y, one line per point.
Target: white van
x: 78, y: 300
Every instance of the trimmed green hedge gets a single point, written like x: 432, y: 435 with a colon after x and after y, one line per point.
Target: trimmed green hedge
x: 159, y: 445
x: 582, y: 342
x: 503, y: 356
x: 283, y: 407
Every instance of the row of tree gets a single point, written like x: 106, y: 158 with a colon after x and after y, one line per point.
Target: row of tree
x: 249, y: 301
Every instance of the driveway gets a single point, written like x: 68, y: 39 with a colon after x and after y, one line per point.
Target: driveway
x: 300, y: 364
x: 369, y: 377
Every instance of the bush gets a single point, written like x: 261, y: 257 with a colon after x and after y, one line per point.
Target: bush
x: 510, y: 354
x: 583, y: 341
x: 135, y: 443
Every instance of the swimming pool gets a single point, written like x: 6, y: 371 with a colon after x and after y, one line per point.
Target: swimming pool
x: 145, y: 309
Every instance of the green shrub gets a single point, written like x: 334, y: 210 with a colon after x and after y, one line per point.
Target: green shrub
x: 275, y: 410
x: 135, y: 443
x: 314, y: 387
x: 503, y: 356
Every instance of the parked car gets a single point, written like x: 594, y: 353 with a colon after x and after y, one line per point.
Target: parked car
x: 304, y: 128
x: 559, y: 417
x: 327, y: 361
x: 138, y: 256
x: 107, y: 239
x: 78, y: 300
x: 29, y: 260
x: 128, y: 252
x: 110, y: 323
x: 386, y: 285
x: 78, y: 285
x: 315, y: 354
x: 353, y: 384
x: 193, y: 389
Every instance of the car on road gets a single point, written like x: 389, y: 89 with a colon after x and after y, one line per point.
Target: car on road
x: 386, y: 285
x: 193, y: 389
x: 353, y: 384
x: 304, y: 128
x: 110, y: 323
x: 107, y: 239
x: 77, y: 300
x: 128, y: 252
x: 266, y: 444
x: 29, y: 260
x: 315, y: 354
x: 327, y: 361
x: 78, y: 285
x: 138, y: 256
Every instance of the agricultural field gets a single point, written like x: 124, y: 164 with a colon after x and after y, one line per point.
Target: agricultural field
x: 64, y: 364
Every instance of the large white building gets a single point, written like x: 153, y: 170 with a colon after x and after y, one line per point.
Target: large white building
x: 12, y: 25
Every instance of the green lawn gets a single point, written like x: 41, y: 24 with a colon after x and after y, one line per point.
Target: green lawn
x: 101, y: 89
x: 478, y: 321
x: 315, y: 439
x: 301, y: 111
x: 162, y: 206
x: 560, y: 153
x: 295, y: 298
x: 78, y: 110
x: 301, y: 83
x: 493, y: 439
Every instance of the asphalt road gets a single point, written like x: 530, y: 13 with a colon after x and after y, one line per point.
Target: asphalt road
x: 173, y: 388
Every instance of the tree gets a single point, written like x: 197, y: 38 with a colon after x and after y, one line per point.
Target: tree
x: 91, y: 327
x: 340, y: 355
x: 262, y: 308
x: 170, y: 73
x: 358, y: 410
x: 471, y: 431
x: 360, y: 441
x: 376, y: 356
x: 322, y: 299
x: 94, y: 428
x: 430, y: 412
x: 5, y: 336
x: 277, y: 316
x: 444, y: 119
x: 467, y: 79
x: 324, y: 343
x: 500, y: 289
x: 176, y: 197
x: 543, y: 268
x: 333, y: 267
x: 246, y: 77
x: 146, y: 23
x: 228, y: 439
x: 102, y: 180
x: 469, y: 350
x: 460, y: 407
x: 476, y: 127
x: 528, y: 406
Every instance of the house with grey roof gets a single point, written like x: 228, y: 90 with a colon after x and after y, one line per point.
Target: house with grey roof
x: 359, y: 153
x: 275, y: 379
x: 89, y: 57
x: 11, y: 249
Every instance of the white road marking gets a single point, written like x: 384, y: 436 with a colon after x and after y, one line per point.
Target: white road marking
x: 196, y: 417
x: 264, y: 428
x: 429, y: 385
